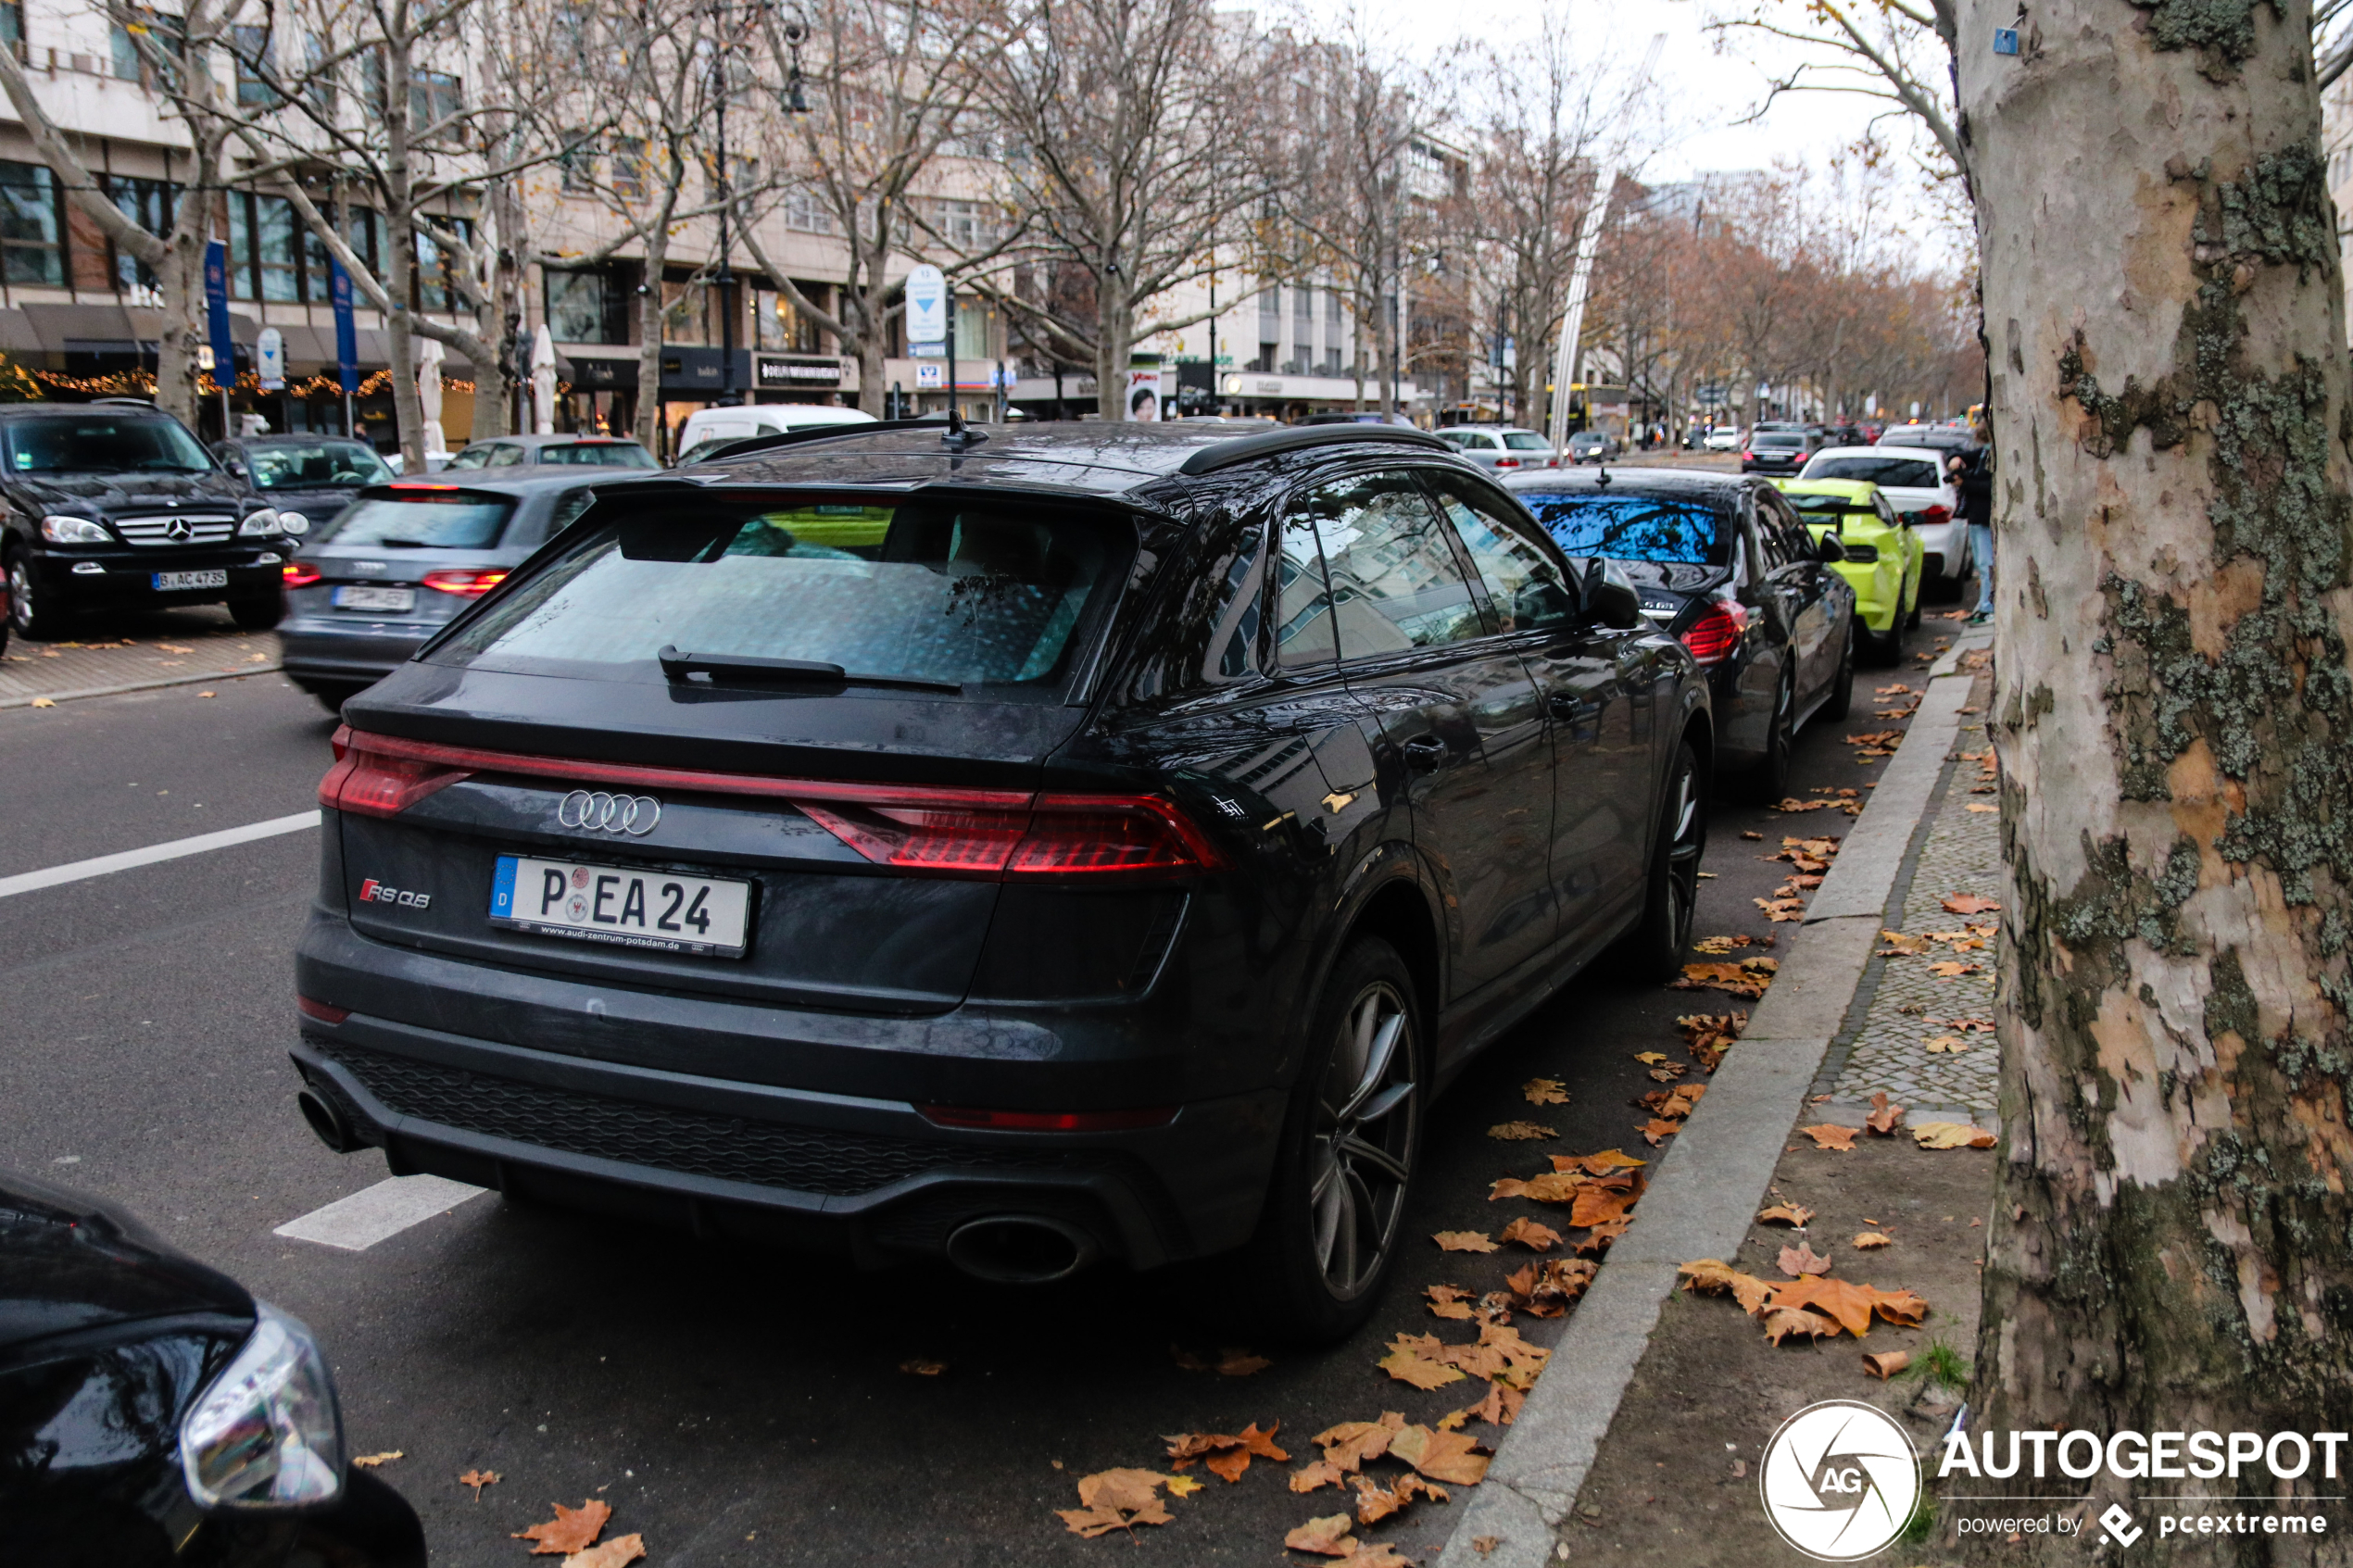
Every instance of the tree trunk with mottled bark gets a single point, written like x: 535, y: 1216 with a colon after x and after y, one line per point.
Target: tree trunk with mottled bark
x: 2171, y: 1248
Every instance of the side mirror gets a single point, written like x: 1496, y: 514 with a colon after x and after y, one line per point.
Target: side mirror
x: 1615, y: 603
x: 1829, y: 550
x: 235, y: 468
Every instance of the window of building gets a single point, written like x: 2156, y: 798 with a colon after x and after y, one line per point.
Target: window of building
x: 972, y: 330
x: 1331, y: 309
x: 577, y: 162
x: 32, y: 225
x: 432, y: 291
x: 275, y: 228
x: 436, y: 99
x: 805, y: 211
x: 583, y: 307
x: 148, y: 204
x: 129, y: 64
x: 12, y: 25
x: 685, y: 312
x: 363, y: 231
x: 318, y: 86
x: 779, y: 325
x: 249, y: 44
x: 371, y: 82
x: 629, y: 166
x: 971, y: 227
x: 1270, y: 312
x: 1303, y: 319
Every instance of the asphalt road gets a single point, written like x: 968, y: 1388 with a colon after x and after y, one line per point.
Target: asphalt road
x: 734, y: 1406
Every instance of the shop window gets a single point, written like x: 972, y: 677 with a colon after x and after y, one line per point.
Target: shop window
x: 780, y: 325
x: 583, y: 307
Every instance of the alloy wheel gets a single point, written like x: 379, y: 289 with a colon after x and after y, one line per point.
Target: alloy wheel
x: 1687, y: 839
x: 1366, y: 1113
x: 21, y: 596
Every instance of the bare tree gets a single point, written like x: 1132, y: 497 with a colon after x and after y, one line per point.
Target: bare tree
x: 2171, y: 1242
x: 1132, y: 155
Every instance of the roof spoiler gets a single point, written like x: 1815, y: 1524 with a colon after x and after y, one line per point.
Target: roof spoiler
x: 1244, y: 448
x: 751, y: 444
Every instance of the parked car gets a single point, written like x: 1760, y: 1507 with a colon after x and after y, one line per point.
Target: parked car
x: 1779, y: 448
x: 114, y: 505
x: 1361, y: 418
x: 1592, y: 447
x: 1723, y: 438
x: 1724, y: 566
x: 364, y: 593
x: 568, y: 451
x: 1883, y: 556
x: 1944, y: 439
x: 744, y: 421
x: 1913, y: 481
x: 309, y: 478
x: 1127, y: 831
x: 1501, y: 447
x: 153, y: 1412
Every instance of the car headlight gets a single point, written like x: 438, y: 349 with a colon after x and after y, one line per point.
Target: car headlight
x: 263, y: 521
x: 266, y: 1432
x: 293, y: 522
x: 74, y: 530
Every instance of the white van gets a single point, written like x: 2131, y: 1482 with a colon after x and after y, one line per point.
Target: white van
x: 709, y: 425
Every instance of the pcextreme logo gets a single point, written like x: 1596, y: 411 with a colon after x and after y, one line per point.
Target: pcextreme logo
x: 1840, y: 1480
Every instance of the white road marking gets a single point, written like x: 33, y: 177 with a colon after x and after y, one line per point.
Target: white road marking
x: 371, y: 1215
x: 123, y: 860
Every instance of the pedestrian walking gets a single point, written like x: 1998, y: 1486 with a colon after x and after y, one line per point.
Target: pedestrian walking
x: 1973, y: 476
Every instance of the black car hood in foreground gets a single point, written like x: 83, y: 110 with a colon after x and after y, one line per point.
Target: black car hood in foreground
x: 69, y: 1263
x: 116, y: 492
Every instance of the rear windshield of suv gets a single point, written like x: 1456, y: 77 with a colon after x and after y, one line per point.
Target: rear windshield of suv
x: 1914, y: 473
x: 1651, y: 528
x: 103, y: 443
x: 929, y: 591
x: 317, y: 465
x: 600, y: 454
x: 451, y: 520
x: 1778, y: 438
x: 1525, y: 441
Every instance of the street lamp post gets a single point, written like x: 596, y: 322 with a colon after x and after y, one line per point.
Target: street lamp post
x: 794, y: 102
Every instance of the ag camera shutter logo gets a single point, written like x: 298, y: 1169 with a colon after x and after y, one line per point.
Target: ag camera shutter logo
x: 1840, y: 1480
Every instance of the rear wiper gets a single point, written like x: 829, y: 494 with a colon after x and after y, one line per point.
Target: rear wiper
x: 678, y: 666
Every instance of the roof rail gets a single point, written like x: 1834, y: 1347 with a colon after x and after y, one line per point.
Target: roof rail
x: 1244, y: 448
x: 751, y: 443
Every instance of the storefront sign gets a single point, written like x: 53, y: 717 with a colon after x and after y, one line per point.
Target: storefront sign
x: 772, y: 370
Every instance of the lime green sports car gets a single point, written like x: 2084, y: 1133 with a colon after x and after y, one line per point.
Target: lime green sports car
x: 1884, y: 556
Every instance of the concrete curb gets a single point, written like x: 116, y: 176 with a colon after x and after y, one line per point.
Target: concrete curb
x: 1704, y: 1191
x: 141, y: 686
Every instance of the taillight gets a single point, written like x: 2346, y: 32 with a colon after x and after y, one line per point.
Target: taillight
x: 300, y: 574
x: 1087, y: 836
x: 943, y: 835
x: 310, y: 1007
x: 376, y: 783
x: 1932, y: 516
x: 1507, y: 462
x: 1748, y: 457
x: 1047, y: 1121
x: 1716, y: 633
x: 465, y: 585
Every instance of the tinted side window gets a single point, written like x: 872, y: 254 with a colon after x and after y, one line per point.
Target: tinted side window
x: 1790, y: 540
x: 1765, y: 532
x: 1302, y: 600
x: 1396, y: 583
x: 1522, y: 584
x: 1203, y: 631
x: 504, y: 456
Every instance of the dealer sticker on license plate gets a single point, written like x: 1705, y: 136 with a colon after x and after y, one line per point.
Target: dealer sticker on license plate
x: 662, y: 911
x: 170, y: 581
x: 362, y: 595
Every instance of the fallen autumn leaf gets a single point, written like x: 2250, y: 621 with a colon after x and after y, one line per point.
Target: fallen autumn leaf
x: 1532, y: 1235
x: 1867, y: 1240
x: 571, y: 1530
x: 1464, y: 1241
x: 1544, y: 1091
x: 1968, y: 904
x: 1785, y: 1214
x: 478, y: 1479
x: 1802, y: 1259
x: 369, y: 1461
x: 1829, y: 1136
x: 1117, y: 1499
x: 1519, y: 1131
x: 614, y: 1553
x: 1951, y: 1134
x: 1884, y: 1364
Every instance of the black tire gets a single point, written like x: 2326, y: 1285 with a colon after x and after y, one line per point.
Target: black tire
x: 1912, y: 621
x: 33, y: 621
x: 1767, y: 779
x: 1841, y: 702
x: 258, y: 612
x: 1887, y: 648
x: 1655, y: 950
x: 1342, y: 1176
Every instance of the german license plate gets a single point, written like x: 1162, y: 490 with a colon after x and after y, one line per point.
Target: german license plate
x: 661, y: 910
x: 171, y: 582
x: 363, y: 596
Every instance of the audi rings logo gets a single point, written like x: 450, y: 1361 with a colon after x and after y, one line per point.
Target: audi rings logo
x: 635, y: 815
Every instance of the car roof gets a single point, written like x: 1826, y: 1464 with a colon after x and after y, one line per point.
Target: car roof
x: 293, y: 438
x: 553, y: 441
x: 1925, y: 454
x: 1098, y: 457
x: 1852, y: 489
x: 496, y: 480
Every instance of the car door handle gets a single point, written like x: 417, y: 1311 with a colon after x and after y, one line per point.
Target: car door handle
x: 1568, y: 704
x: 1424, y: 752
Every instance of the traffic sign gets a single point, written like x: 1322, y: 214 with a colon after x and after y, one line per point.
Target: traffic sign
x: 926, y: 306
x: 270, y: 359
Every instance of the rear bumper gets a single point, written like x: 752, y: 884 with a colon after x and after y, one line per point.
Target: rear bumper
x: 794, y: 1166
x: 317, y: 648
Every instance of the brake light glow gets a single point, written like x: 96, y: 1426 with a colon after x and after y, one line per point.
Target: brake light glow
x: 300, y: 574
x: 420, y: 485
x: 1507, y: 462
x: 1716, y: 633
x: 312, y: 1008
x: 465, y: 585
x: 1047, y: 1121
x: 991, y: 835
x: 1932, y: 516
x: 1748, y: 457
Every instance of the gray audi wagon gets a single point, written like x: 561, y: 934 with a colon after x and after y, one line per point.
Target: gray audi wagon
x: 1022, y: 846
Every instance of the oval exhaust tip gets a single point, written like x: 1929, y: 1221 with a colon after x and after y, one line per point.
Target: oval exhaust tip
x: 325, y: 1120
x: 1020, y: 1249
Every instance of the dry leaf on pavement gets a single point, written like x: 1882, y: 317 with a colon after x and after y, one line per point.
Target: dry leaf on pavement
x: 1117, y: 1499
x: 1449, y: 1301
x: 1902, y: 946
x: 1869, y: 1239
x: 1182, y: 1485
x: 478, y: 1479
x: 1747, y: 978
x: 1951, y: 969
x: 1375, y: 1503
x: 1608, y: 1162
x: 614, y: 1553
x: 1348, y: 1446
x: 1802, y: 1259
x: 1885, y: 1117
x: 1902, y: 1308
x: 1464, y: 1241
x: 1545, y: 1290
x: 1782, y: 1322
x: 1232, y: 1361
x: 1327, y: 1537
x: 1828, y: 1135
x: 1501, y: 1407
x: 1228, y: 1455
x: 1519, y: 1131
x: 1944, y: 1043
x: 45, y: 702
x: 1707, y: 1277
x: 1785, y: 1214
x: 1412, y: 1359
x: 919, y: 1366
x: 1850, y: 1304
x: 1884, y: 1364
x: 1549, y: 1186
x: 1968, y: 904
x: 571, y: 1530
x: 1600, y: 1205
x: 1655, y: 1130
x: 1529, y: 1233
x: 1314, y: 1474
x: 1951, y: 1134
x: 369, y: 1461
x: 1377, y: 1554
x: 1597, y: 1239
x: 1441, y: 1455
x: 1545, y: 1091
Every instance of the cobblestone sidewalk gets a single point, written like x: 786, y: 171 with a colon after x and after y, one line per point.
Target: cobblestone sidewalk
x: 126, y: 653
x: 1908, y: 1004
